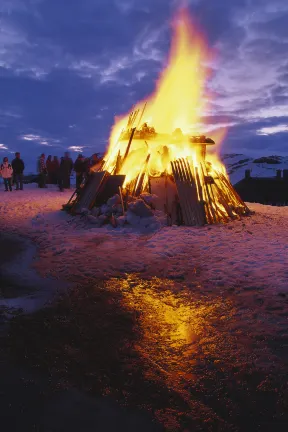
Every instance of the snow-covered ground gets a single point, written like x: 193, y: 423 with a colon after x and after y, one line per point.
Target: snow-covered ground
x: 251, y: 253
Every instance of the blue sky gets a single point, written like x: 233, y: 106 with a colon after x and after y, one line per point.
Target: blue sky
x: 68, y: 66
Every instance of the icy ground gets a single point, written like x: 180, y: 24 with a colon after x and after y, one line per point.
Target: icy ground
x: 252, y: 252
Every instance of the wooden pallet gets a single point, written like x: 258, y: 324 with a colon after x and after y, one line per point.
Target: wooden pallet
x: 191, y: 205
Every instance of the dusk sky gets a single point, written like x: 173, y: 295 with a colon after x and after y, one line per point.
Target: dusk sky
x: 67, y: 67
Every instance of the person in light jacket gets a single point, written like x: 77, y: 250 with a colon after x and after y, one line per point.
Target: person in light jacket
x: 6, y: 172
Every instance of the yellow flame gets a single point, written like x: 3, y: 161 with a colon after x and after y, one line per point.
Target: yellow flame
x: 179, y: 101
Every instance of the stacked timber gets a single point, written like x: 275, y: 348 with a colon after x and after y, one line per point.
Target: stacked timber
x: 205, y: 198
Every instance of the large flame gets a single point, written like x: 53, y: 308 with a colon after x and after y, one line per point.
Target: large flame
x: 179, y: 101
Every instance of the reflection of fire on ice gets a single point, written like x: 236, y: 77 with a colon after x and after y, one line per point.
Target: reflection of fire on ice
x: 157, y: 139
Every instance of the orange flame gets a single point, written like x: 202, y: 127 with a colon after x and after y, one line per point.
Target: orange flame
x: 179, y: 101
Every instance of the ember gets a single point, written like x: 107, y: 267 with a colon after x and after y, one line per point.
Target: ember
x: 158, y: 149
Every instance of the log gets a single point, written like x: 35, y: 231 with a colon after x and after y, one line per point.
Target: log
x: 139, y: 183
x: 121, y: 198
x: 234, y: 193
x: 199, y: 205
x: 128, y: 145
x: 144, y: 108
x: 180, y: 190
x: 187, y: 194
x: 225, y: 202
x: 193, y: 202
x: 209, y: 199
x: 118, y: 164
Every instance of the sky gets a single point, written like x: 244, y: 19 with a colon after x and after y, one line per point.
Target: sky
x: 67, y: 67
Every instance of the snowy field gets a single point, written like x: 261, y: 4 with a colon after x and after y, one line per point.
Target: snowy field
x: 251, y: 253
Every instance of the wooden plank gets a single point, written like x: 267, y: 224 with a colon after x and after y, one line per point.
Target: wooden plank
x: 189, y: 196
x: 200, y: 212
x: 192, y: 181
x: 121, y: 198
x: 183, y: 193
x: 144, y: 108
x: 89, y: 192
x: 140, y: 181
x: 239, y: 201
x: 108, y: 189
x: 184, y: 200
x: 128, y: 145
x: 209, y: 196
x: 179, y: 186
x: 118, y: 164
x: 204, y: 196
x: 223, y: 200
x: 218, y: 203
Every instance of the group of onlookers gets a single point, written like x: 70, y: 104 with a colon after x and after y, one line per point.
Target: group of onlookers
x: 59, y: 172
x: 50, y: 171
x: 12, y: 173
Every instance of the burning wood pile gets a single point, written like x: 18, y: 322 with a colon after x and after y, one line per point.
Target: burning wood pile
x: 156, y: 165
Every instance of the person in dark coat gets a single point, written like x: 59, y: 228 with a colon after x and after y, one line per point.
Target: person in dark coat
x: 42, y: 171
x: 55, y: 165
x: 49, y: 169
x: 66, y: 167
x: 96, y: 162
x: 61, y: 174
x: 18, y: 169
x: 80, y: 170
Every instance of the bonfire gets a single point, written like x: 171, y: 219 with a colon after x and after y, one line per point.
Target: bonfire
x: 160, y: 149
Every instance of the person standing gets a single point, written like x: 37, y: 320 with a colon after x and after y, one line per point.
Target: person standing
x: 55, y: 170
x: 42, y: 172
x: 6, y: 172
x: 18, y: 168
x: 96, y: 163
x: 80, y: 169
x: 60, y: 174
x: 49, y: 169
x: 66, y: 167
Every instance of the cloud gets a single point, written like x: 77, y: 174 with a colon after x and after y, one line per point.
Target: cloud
x: 77, y: 149
x: 272, y: 130
x: 49, y: 142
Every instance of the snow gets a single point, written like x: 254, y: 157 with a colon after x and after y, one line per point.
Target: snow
x: 236, y: 164
x: 249, y: 253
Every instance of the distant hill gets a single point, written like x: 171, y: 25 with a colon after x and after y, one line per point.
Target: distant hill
x: 266, y: 166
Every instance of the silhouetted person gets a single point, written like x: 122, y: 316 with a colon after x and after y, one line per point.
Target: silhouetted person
x: 49, y: 169
x: 6, y: 172
x: 18, y: 169
x: 66, y: 167
x: 42, y: 171
x: 80, y: 169
x: 55, y: 164
x: 95, y: 163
